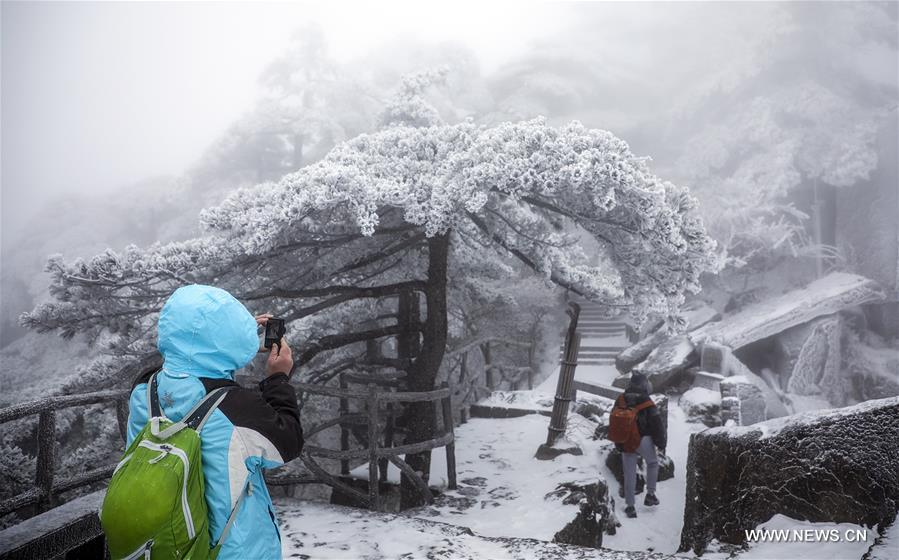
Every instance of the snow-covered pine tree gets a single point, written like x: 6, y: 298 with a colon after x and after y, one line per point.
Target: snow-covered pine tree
x: 399, y: 212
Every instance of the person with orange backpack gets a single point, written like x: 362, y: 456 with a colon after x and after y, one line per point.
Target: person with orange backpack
x: 636, y: 427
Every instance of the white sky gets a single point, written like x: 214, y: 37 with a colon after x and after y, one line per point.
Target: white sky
x: 98, y: 95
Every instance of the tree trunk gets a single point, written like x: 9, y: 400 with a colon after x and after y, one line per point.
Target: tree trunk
x: 408, y: 315
x: 488, y: 369
x: 423, y: 373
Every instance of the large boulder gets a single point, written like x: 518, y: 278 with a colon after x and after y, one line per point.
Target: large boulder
x: 750, y: 401
x: 702, y: 405
x: 633, y: 355
x: 873, y: 371
x: 817, y: 364
x: 836, y: 466
x: 695, y: 314
x: 666, y: 362
x: 825, y: 296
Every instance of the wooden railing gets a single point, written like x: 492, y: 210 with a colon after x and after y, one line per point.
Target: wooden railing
x: 378, y: 456
x: 46, y: 485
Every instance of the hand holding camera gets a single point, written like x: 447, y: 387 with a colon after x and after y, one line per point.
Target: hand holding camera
x: 280, y: 359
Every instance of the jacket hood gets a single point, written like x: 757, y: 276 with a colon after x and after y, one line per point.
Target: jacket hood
x: 204, y: 331
x: 639, y: 384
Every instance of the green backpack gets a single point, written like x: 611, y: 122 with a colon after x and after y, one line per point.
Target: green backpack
x: 155, y: 505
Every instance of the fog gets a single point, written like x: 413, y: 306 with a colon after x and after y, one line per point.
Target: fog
x: 100, y: 95
x: 120, y: 121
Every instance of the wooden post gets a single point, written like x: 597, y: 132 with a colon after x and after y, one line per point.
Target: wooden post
x: 121, y: 411
x: 373, y: 484
x: 488, y: 363
x: 566, y: 377
x: 46, y: 457
x: 384, y: 464
x: 451, y: 446
x: 342, y: 410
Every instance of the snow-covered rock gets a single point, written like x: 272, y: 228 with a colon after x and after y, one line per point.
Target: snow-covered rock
x: 702, y: 405
x: 873, y: 371
x: 639, y: 351
x: 596, y: 513
x: 824, y: 296
x: 839, y: 465
x: 665, y: 362
x: 695, y: 315
x: 752, y: 407
x: 818, y: 361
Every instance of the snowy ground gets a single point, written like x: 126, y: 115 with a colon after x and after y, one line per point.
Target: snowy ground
x: 501, y: 497
x: 321, y: 531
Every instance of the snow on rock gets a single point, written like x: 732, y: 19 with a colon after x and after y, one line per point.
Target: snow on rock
x: 633, y: 355
x: 839, y: 465
x: 818, y: 363
x: 824, y: 296
x: 323, y: 531
x: 873, y: 371
x: 702, y: 405
x: 665, y: 362
x: 695, y: 315
x: 596, y: 515
x: 510, y: 404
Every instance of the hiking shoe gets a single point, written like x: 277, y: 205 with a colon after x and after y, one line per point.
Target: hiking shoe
x: 650, y: 500
x: 630, y: 511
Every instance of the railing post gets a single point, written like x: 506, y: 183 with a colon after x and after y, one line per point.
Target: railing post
x: 46, y: 457
x: 121, y: 413
x: 343, y: 410
x: 373, y: 479
x: 451, y: 446
x: 383, y: 463
x: 559, y: 417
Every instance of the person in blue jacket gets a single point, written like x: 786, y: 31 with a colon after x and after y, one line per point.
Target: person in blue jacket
x: 205, y: 335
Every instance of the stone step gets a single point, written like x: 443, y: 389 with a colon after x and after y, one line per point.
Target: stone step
x: 595, y: 362
x: 588, y: 348
x: 593, y: 354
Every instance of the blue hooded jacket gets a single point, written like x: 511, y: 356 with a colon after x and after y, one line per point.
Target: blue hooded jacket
x: 205, y: 335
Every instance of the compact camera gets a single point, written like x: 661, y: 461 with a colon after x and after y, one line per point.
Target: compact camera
x: 274, y: 331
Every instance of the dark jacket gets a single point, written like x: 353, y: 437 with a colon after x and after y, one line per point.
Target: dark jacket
x: 649, y: 420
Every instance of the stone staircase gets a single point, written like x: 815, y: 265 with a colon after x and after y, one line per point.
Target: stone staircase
x: 601, y: 340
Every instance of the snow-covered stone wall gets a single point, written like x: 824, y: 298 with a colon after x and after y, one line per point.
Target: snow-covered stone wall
x: 839, y: 465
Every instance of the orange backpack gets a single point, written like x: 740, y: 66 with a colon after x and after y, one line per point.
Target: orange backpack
x: 623, y: 424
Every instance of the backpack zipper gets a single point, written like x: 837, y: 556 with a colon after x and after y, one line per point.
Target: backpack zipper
x: 121, y: 463
x: 164, y: 450
x: 144, y: 551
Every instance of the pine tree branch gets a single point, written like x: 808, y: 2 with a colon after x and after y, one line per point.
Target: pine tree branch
x: 520, y: 255
x: 334, y: 341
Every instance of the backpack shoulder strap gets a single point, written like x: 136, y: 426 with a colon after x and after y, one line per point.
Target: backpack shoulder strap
x: 196, y: 417
x: 153, y: 396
